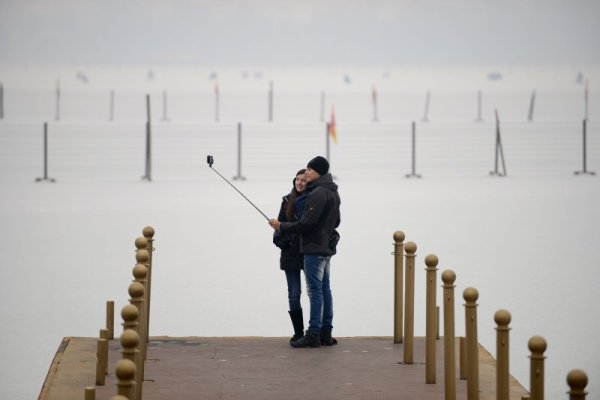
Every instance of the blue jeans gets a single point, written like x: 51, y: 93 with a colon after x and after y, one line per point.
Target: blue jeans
x: 316, y: 272
x: 294, y: 289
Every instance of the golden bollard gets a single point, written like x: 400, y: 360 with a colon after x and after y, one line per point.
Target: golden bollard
x: 462, y: 346
x: 119, y: 397
x: 110, y: 319
x: 409, y: 303
x: 502, y: 318
x: 537, y: 346
x: 130, y: 342
x: 140, y: 273
x: 471, y: 295
x: 136, y: 292
x: 101, y: 355
x: 577, y: 381
x: 130, y: 315
x: 448, y: 277
x: 125, y: 372
x: 148, y: 233
x: 398, y: 285
x: 90, y: 393
x: 142, y: 256
x: 431, y: 261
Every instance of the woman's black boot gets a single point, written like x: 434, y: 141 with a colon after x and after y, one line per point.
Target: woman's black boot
x: 298, y: 323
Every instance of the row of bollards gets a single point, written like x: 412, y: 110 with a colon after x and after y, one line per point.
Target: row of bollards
x: 136, y: 320
x: 404, y: 256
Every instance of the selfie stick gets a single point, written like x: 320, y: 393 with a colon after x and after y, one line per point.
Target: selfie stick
x: 210, y: 160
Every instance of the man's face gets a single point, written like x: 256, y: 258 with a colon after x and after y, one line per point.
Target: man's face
x: 311, y: 175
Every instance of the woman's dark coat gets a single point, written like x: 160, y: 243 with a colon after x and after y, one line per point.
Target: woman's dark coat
x: 289, y: 243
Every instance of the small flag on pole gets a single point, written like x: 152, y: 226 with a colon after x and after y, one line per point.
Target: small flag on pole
x: 332, y: 129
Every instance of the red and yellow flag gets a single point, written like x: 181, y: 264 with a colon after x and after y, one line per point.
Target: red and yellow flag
x: 332, y: 131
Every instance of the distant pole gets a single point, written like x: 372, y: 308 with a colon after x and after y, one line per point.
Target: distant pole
x: 584, y: 171
x: 165, y: 100
x: 217, y: 102
x: 586, y: 100
x: 148, y: 171
x: 374, y: 98
x: 414, y: 154
x: 239, y: 153
x: 322, y: 107
x: 327, y: 143
x: 426, y: 113
x: 1, y: 101
x: 531, y: 107
x: 112, y: 106
x: 57, y: 113
x: 271, y: 101
x: 499, y: 152
x: 45, y: 177
x: 479, y: 102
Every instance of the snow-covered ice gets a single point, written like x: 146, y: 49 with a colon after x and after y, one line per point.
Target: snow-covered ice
x: 527, y: 242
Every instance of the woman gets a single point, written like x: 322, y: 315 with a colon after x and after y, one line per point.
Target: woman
x: 291, y: 260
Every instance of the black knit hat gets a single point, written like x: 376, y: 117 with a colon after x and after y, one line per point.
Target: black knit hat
x: 319, y: 164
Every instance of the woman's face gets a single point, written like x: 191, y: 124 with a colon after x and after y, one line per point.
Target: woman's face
x: 300, y: 183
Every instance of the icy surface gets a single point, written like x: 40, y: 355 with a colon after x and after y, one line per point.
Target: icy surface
x: 527, y: 242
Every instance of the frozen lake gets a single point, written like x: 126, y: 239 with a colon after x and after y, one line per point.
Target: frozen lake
x: 527, y: 242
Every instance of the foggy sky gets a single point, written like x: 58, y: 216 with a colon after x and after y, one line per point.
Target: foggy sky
x: 301, y: 33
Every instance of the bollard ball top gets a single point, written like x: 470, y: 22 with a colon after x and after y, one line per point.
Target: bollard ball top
x: 141, y: 243
x: 136, y: 289
x: 142, y: 256
x: 125, y: 369
x: 537, y: 344
x: 502, y: 317
x: 129, y: 339
x: 410, y: 247
x: 399, y: 236
x: 148, y: 232
x: 577, y: 379
x: 470, y: 294
x: 448, y: 276
x: 140, y: 271
x: 431, y: 261
x: 129, y: 313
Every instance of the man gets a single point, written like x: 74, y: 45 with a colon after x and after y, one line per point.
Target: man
x: 318, y: 239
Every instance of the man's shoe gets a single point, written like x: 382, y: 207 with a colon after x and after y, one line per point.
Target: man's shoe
x: 326, y: 339
x: 308, y: 340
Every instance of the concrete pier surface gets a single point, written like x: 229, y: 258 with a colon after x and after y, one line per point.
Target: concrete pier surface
x: 266, y: 368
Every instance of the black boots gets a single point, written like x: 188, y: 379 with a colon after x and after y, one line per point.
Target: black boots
x: 326, y: 339
x: 308, y: 340
x: 298, y: 322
